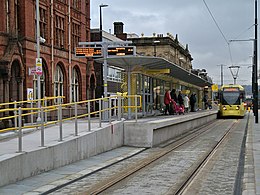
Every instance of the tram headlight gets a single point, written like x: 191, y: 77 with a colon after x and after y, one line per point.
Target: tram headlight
x: 224, y: 108
x: 237, y: 108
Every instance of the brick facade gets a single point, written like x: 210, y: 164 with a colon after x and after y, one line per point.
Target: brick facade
x: 18, y: 47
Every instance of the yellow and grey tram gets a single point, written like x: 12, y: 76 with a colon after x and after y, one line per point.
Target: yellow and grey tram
x: 231, y: 101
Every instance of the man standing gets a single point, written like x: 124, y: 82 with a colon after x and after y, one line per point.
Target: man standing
x: 193, y: 102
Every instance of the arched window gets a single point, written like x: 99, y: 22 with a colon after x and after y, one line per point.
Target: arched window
x: 75, y: 86
x: 58, y: 82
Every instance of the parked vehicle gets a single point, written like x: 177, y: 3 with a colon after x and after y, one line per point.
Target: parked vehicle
x: 249, y: 103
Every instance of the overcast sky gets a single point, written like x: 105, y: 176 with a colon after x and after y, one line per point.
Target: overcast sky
x: 192, y: 22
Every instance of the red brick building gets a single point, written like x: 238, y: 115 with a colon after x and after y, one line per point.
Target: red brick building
x: 62, y: 24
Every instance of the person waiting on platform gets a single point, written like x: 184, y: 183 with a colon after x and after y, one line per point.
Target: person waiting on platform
x: 193, y: 100
x: 173, y: 95
x: 186, y: 101
x: 205, y: 100
x: 180, y: 99
x: 167, y: 101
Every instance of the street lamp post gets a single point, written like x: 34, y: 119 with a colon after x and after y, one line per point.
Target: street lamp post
x: 104, y: 50
x: 100, y: 14
x: 105, y: 103
x: 255, y: 69
x: 38, y: 56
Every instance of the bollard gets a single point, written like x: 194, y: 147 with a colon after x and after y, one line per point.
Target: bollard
x: 15, y: 115
x: 19, y: 129
x: 31, y: 114
x: 100, y: 108
x: 45, y: 113
x: 89, y: 125
x: 119, y: 109
x: 60, y: 121
x: 42, y: 127
x: 135, y: 108
x: 76, y: 119
x: 110, y: 110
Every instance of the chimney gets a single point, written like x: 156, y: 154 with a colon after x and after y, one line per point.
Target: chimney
x: 118, y: 28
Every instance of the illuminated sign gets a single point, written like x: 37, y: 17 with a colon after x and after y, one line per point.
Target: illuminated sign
x: 120, y: 51
x: 97, y: 51
x: 230, y: 89
x: 88, y: 52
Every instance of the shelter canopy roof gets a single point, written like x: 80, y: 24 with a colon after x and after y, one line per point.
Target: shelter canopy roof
x: 130, y: 63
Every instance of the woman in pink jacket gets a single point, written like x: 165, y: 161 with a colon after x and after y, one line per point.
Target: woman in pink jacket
x: 167, y: 101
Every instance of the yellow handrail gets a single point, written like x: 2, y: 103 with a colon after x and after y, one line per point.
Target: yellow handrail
x: 47, y: 109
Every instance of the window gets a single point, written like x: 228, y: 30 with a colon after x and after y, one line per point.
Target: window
x: 114, y: 74
x: 59, y: 31
x: 42, y: 23
x: 76, y: 4
x: 58, y: 82
x: 75, y: 85
x: 75, y: 35
x: 7, y: 16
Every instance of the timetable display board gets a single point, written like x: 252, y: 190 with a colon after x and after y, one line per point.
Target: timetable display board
x: 88, y: 52
x: 97, y: 51
x: 120, y: 51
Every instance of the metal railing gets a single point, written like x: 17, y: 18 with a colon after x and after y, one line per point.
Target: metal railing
x: 56, y: 114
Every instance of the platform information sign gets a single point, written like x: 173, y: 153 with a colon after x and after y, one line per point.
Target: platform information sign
x: 88, y: 52
x: 120, y: 51
x: 97, y: 51
x: 38, y: 70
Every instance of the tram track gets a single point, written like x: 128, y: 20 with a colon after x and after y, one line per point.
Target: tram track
x: 207, y: 158
x: 103, y: 185
x: 237, y: 187
x: 167, y: 148
x: 173, y: 144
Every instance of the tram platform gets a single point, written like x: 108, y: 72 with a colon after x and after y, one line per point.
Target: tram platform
x: 45, y: 181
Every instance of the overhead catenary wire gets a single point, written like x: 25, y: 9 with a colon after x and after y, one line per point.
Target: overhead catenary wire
x: 213, y: 18
x: 244, y: 31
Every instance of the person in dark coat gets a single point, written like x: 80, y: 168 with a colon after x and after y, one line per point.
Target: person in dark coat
x: 173, y: 95
x: 180, y: 99
x: 193, y: 102
x: 205, y: 100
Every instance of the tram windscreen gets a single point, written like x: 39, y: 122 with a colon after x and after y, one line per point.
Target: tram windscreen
x: 231, y: 98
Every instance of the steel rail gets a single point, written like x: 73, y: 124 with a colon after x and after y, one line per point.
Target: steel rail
x: 203, y: 163
x: 108, y: 183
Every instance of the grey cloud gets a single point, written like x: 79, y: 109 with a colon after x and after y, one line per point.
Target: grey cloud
x: 193, y: 24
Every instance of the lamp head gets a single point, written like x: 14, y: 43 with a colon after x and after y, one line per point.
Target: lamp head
x: 103, y: 5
